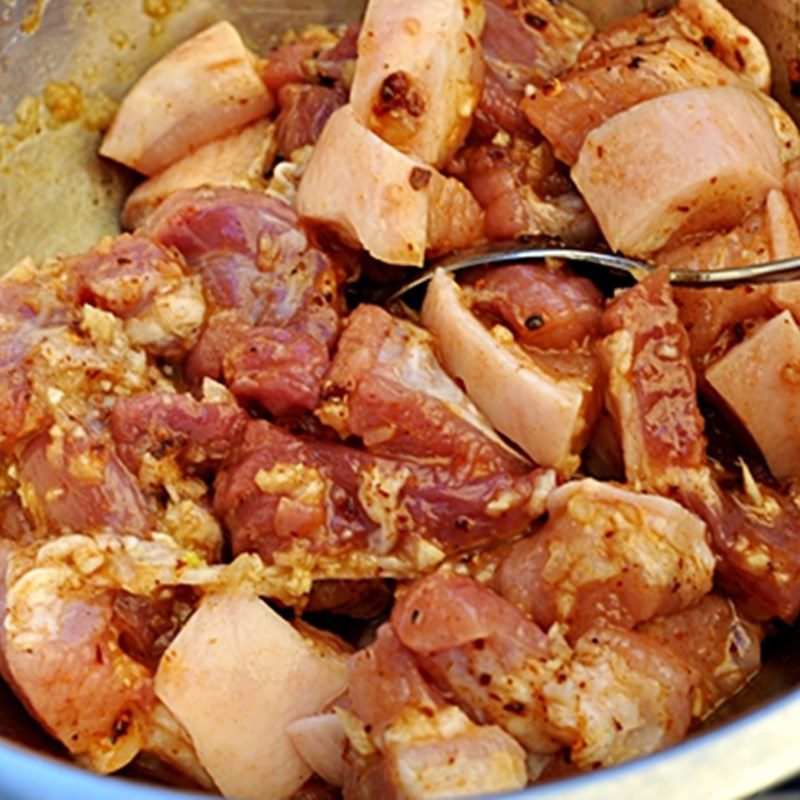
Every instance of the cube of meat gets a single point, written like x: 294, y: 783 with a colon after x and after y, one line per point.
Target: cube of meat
x: 386, y: 387
x: 395, y: 206
x: 703, y: 22
x: 547, y: 416
x: 406, y: 741
x: 419, y: 74
x: 718, y: 642
x: 449, y: 757
x: 607, y: 554
x: 691, y: 161
x: 652, y: 390
x: 591, y: 93
x: 524, y: 43
x: 621, y: 695
x: 357, y: 515
x: 241, y: 159
x: 68, y: 668
x: 480, y: 649
x: 653, y: 398
x: 321, y: 741
x: 761, y: 373
x: 713, y: 316
x: 73, y: 481
x: 617, y: 695
x: 278, y: 294
x: 203, y: 89
x: 235, y: 676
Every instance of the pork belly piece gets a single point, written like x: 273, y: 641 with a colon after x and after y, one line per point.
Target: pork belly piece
x: 329, y: 507
x: 80, y: 656
x: 274, y: 292
x: 203, y: 89
x: 685, y: 162
x: 386, y: 387
x: 406, y: 741
x: 541, y: 407
x: 759, y: 375
x: 792, y: 186
x: 419, y: 74
x: 321, y: 741
x: 241, y: 159
x: 722, y: 646
x: 770, y: 233
x: 568, y: 109
x: 606, y: 553
x: 702, y: 22
x: 391, y: 204
x: 714, y: 317
x: 235, y: 676
x: 697, y: 43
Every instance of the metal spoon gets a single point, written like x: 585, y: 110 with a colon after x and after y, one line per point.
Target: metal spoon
x: 507, y: 253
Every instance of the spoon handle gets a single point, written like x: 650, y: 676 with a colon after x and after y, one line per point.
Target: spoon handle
x: 498, y: 254
x: 786, y: 269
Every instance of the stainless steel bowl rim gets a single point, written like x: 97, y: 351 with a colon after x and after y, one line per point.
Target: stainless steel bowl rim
x: 730, y: 762
x: 743, y: 756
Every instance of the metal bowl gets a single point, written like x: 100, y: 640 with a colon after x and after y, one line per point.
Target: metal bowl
x: 57, y: 196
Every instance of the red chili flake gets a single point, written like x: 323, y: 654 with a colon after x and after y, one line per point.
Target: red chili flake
x: 794, y: 76
x: 419, y: 178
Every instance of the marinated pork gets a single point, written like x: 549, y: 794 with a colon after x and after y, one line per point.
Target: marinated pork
x: 207, y: 87
x: 419, y: 74
x: 281, y: 540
